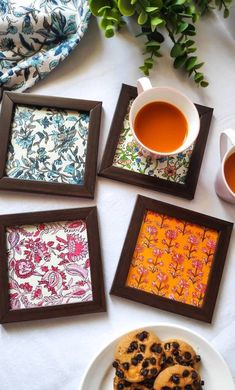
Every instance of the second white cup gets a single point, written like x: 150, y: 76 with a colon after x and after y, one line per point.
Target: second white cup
x: 223, y: 190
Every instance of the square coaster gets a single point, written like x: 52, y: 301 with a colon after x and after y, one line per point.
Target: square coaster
x: 123, y: 160
x: 49, y: 144
x: 50, y: 265
x: 172, y: 259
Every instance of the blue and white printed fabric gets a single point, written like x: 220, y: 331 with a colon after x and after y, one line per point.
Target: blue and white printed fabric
x: 35, y: 36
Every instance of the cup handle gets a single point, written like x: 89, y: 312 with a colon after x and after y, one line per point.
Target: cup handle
x: 225, y: 136
x: 143, y: 84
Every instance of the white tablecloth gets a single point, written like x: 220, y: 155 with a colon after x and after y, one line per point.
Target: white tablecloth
x: 53, y: 354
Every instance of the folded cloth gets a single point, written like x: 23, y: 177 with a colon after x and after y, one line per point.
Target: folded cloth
x: 35, y: 36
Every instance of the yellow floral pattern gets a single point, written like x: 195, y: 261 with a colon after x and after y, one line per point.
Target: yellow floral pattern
x: 173, y: 258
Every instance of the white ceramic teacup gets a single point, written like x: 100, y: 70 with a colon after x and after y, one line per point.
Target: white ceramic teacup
x: 221, y: 186
x: 148, y: 94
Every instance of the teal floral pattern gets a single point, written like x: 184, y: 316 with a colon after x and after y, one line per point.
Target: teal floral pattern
x: 35, y: 36
x: 128, y: 156
x: 48, y: 144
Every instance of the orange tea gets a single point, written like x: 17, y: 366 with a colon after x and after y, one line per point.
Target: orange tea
x: 229, y: 171
x: 161, y: 126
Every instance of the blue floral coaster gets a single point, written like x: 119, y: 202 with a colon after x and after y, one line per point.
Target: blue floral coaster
x: 48, y: 144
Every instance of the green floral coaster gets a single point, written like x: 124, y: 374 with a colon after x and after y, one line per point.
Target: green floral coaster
x: 123, y: 159
x: 128, y: 156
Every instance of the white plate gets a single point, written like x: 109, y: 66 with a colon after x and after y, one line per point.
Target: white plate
x: 214, y: 370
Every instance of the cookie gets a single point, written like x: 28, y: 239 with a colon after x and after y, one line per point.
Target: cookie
x: 179, y: 352
x: 178, y: 378
x: 122, y: 384
x: 138, y: 356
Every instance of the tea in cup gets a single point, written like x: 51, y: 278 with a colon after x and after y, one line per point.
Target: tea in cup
x: 225, y: 179
x: 163, y: 121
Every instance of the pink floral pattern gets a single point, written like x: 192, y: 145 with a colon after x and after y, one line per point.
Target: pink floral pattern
x: 48, y: 264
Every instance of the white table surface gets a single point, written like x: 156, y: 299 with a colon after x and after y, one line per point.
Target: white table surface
x: 53, y: 354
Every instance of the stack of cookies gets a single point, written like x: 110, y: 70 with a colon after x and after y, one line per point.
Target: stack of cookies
x: 143, y: 361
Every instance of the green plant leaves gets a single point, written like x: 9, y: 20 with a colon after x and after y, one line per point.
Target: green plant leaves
x: 179, y: 2
x: 177, y: 50
x: 190, y: 63
x: 206, y: 5
x: 95, y: 5
x: 226, y: 13
x: 156, y: 21
x: 102, y: 10
x: 153, y: 44
x: 176, y: 18
x: 158, y: 3
x: 126, y: 8
x: 189, y: 43
x: 109, y: 31
x: 142, y: 19
x: 198, y: 77
x: 151, y: 9
x: 179, y: 61
x: 109, y: 13
x: 182, y: 27
x: 204, y: 84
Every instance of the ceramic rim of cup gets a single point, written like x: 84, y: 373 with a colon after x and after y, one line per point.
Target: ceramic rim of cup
x: 181, y: 148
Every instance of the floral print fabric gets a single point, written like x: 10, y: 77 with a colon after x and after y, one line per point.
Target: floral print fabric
x: 129, y: 156
x: 173, y: 258
x: 35, y: 36
x: 48, y: 264
x: 48, y: 144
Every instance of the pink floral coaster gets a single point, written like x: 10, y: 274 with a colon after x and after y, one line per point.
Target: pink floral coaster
x: 48, y: 264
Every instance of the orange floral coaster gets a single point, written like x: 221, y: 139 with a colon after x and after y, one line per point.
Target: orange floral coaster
x: 173, y: 258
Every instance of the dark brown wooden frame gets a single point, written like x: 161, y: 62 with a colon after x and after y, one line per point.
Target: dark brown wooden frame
x: 10, y: 99
x: 119, y: 287
x: 89, y: 214
x: 186, y: 190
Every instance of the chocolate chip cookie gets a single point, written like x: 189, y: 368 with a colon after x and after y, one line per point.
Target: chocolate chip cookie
x: 178, y: 378
x: 122, y: 384
x: 179, y: 352
x: 138, y: 356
